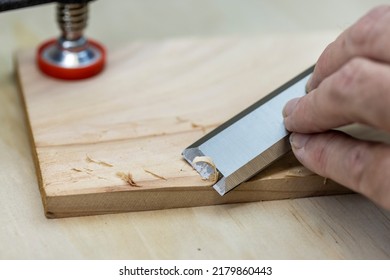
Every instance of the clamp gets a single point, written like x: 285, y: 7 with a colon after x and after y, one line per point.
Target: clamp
x: 71, y: 56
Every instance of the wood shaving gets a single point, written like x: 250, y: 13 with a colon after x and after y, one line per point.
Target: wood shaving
x: 213, y: 176
x: 194, y: 125
x: 202, y: 127
x: 88, y: 171
x: 299, y: 172
x: 325, y: 180
x: 76, y: 170
x: 128, y: 178
x: 88, y: 159
x: 155, y: 175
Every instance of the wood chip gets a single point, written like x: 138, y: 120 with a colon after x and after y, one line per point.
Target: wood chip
x: 299, y: 172
x: 202, y: 127
x: 213, y: 176
x: 76, y: 170
x: 88, y: 159
x: 155, y: 175
x: 128, y: 178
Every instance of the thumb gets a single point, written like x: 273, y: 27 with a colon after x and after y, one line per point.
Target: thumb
x: 359, y: 165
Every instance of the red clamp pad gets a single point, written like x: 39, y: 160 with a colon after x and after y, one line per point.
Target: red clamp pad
x: 71, y: 73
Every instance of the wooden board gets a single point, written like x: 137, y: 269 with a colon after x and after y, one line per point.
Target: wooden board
x: 113, y: 143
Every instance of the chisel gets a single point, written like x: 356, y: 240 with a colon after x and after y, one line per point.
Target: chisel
x: 247, y: 143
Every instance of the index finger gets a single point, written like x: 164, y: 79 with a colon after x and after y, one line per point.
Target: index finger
x: 369, y: 37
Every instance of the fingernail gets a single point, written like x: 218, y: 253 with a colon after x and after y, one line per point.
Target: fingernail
x: 308, y: 84
x: 298, y: 140
x: 289, y: 107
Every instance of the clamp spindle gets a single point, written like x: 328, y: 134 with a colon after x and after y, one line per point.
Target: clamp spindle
x: 71, y: 56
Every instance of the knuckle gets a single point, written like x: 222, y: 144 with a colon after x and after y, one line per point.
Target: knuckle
x: 379, y: 10
x: 350, y: 80
x: 361, y: 84
x: 322, y: 64
x: 304, y: 112
x: 366, y: 32
x: 347, y: 75
x: 358, y: 36
x: 356, y: 162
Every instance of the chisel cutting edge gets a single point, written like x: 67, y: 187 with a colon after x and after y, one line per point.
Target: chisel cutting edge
x: 247, y: 143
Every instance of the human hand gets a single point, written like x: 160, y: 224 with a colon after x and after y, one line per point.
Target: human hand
x: 350, y: 84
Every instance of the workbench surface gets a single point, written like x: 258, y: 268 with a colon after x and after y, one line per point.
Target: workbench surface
x: 334, y: 227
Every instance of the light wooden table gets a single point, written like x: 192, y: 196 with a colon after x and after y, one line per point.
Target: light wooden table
x: 316, y: 228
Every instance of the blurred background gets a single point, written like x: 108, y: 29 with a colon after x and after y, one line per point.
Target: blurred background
x: 120, y: 21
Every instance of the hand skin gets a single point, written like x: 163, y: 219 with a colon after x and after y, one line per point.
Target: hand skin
x: 350, y: 84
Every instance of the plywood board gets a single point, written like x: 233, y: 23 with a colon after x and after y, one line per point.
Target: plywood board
x: 113, y: 143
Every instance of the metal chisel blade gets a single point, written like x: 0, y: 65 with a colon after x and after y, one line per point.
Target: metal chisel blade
x: 247, y: 143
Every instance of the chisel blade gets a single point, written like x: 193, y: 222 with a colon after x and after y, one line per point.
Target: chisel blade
x: 247, y: 143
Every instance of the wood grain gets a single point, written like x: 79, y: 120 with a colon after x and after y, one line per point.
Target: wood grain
x: 113, y: 143
x: 330, y: 227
